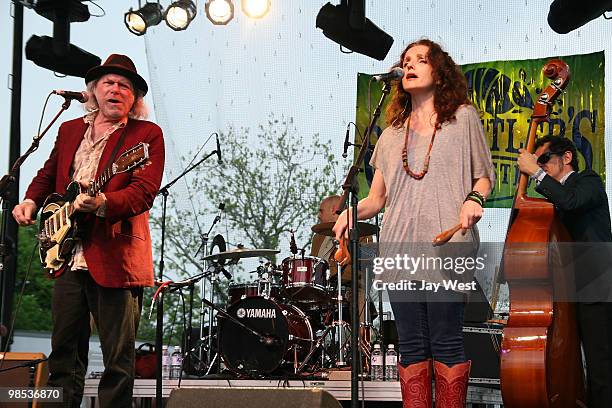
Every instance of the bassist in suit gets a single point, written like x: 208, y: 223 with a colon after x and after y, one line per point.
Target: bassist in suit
x: 112, y: 262
x: 582, y: 205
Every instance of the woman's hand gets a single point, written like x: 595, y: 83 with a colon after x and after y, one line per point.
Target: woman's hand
x: 471, y: 212
x: 342, y: 225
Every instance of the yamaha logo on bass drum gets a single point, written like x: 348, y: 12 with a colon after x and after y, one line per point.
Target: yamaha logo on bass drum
x: 268, y: 313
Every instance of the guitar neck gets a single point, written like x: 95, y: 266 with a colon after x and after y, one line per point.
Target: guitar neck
x: 96, y: 185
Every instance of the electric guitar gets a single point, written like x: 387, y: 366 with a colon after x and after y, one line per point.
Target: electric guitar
x: 58, y: 229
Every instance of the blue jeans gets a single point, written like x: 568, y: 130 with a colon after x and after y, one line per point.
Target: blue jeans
x: 429, y: 325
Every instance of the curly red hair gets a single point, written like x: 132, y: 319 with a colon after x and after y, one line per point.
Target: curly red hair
x: 450, y: 87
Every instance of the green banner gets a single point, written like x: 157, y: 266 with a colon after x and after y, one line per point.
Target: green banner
x: 504, y: 93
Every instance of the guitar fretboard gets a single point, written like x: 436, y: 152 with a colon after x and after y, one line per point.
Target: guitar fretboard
x: 96, y: 185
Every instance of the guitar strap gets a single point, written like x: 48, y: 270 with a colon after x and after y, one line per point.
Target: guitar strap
x: 111, y: 158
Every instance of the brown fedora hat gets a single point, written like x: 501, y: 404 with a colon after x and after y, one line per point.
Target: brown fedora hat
x: 120, y: 65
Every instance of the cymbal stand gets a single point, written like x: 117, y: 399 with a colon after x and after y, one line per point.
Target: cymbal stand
x: 213, y: 268
x: 366, y: 325
x: 339, y: 323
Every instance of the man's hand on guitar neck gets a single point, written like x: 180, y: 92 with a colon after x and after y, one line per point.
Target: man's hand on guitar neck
x: 85, y: 203
x: 25, y: 213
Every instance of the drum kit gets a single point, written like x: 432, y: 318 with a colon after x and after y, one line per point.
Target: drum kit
x: 288, y: 320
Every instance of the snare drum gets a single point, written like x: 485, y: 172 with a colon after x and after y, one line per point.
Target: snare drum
x: 287, y: 330
x: 305, y: 279
x: 238, y: 291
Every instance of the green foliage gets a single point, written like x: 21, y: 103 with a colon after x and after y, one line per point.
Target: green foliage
x: 34, y: 313
x: 273, y: 181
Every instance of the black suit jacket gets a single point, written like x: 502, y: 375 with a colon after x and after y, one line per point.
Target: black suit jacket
x: 582, y: 205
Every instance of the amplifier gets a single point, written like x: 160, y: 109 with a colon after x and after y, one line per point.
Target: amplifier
x: 25, y: 376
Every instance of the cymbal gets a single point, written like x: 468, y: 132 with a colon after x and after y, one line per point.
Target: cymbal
x: 325, y: 228
x: 238, y: 253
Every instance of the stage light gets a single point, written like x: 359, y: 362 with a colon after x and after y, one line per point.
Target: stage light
x: 347, y: 25
x: 219, y: 12
x: 566, y: 16
x: 255, y: 8
x: 138, y: 21
x: 75, y: 61
x: 180, y: 14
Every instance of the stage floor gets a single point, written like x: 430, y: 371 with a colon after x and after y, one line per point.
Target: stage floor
x: 341, y: 390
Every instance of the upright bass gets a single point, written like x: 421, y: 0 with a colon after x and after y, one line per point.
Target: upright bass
x: 541, y: 362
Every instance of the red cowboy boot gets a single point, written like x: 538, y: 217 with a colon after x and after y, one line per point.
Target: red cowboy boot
x: 415, y: 381
x: 451, y: 384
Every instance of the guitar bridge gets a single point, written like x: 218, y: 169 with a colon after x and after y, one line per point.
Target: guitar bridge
x: 44, y: 240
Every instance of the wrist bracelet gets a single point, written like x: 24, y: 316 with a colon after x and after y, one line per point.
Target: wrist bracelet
x: 477, y: 197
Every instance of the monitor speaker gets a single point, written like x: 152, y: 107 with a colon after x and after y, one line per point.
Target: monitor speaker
x: 251, y: 397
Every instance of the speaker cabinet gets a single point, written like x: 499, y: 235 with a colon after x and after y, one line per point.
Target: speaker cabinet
x: 251, y: 397
x: 21, y: 377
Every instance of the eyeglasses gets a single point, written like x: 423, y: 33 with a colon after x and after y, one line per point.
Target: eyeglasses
x: 545, y: 157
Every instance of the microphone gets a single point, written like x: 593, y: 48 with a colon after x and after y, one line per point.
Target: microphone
x: 77, y: 96
x: 346, y: 141
x: 218, y: 154
x: 292, y: 245
x: 395, y: 73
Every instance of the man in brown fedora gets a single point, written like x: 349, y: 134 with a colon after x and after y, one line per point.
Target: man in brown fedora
x: 112, y: 262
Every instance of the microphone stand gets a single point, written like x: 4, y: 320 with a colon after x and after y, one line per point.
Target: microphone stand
x: 5, y: 186
x: 159, y: 332
x: 351, y: 188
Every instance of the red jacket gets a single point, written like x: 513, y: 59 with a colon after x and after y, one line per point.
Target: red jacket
x: 117, y: 248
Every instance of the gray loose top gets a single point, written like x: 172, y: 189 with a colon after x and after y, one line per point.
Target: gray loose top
x: 418, y: 210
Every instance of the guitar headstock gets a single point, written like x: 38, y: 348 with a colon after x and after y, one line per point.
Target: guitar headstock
x: 132, y: 158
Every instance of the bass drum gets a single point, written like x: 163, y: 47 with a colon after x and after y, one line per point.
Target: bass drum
x: 289, y: 336
x: 239, y: 291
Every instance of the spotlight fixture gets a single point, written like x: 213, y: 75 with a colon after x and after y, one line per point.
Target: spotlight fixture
x: 566, y: 16
x: 138, y: 21
x: 255, y: 8
x: 57, y: 53
x: 219, y: 12
x: 179, y: 14
x: 347, y: 25
x: 75, y: 62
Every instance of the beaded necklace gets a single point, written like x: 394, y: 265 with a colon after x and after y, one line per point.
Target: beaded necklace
x: 416, y: 176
